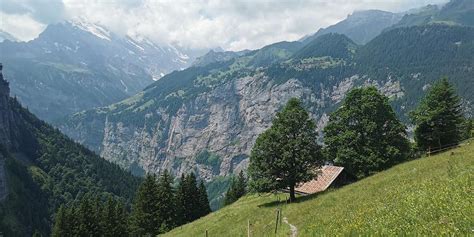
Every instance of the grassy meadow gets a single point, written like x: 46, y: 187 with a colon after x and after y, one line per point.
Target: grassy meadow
x: 428, y: 196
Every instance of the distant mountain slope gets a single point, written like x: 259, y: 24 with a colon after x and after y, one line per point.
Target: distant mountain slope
x: 217, y: 56
x: 426, y: 197
x: 361, y: 26
x: 78, y: 65
x: 218, y: 110
x: 332, y: 45
x: 6, y: 36
x: 40, y: 169
x: 455, y: 12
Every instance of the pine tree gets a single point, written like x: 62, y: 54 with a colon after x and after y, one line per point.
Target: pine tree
x: 241, y: 187
x: 166, y: 202
x: 181, y: 212
x: 114, y: 218
x: 287, y: 153
x: 188, y: 199
x: 121, y: 214
x: 144, y: 219
x: 364, y: 135
x: 88, y: 224
x: 438, y: 118
x: 468, y: 127
x: 237, y: 189
x: 60, y: 227
x: 204, y: 206
x: 230, y: 196
x: 192, y: 198
x: 72, y: 217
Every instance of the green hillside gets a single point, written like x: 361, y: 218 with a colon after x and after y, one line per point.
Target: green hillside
x: 427, y: 196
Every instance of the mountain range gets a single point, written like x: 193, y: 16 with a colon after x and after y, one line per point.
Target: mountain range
x: 361, y: 26
x: 77, y: 65
x: 207, y: 118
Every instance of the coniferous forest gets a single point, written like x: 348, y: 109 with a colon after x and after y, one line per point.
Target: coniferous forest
x: 158, y: 206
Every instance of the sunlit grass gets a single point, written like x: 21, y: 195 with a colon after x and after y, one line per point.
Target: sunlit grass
x: 427, y: 196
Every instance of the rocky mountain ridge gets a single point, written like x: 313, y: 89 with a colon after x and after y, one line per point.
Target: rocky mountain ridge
x: 79, y: 65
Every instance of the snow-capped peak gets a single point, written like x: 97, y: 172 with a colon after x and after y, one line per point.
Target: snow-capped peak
x: 92, y: 28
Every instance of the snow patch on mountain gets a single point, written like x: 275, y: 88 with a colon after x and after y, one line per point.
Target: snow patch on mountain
x: 92, y: 28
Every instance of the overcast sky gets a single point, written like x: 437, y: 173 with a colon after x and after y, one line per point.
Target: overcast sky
x: 230, y: 24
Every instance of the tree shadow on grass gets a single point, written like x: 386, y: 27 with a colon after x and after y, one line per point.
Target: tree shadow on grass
x: 282, y: 201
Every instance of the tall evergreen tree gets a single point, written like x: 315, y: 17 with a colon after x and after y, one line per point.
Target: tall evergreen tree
x: 188, y: 199
x: 144, y: 219
x: 192, y: 198
x: 72, y: 217
x: 181, y: 212
x: 87, y: 217
x: 364, y: 134
x: 287, y: 153
x: 241, y: 187
x: 114, y: 218
x: 166, y: 202
x: 438, y: 118
x: 60, y: 227
x: 468, y: 128
x: 204, y: 206
x: 237, y: 189
x: 121, y: 224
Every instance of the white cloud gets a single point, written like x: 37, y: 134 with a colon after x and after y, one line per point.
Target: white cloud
x: 23, y: 27
x: 230, y: 24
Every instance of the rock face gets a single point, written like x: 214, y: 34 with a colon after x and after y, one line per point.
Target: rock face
x: 5, y: 132
x: 7, y: 127
x: 206, y: 119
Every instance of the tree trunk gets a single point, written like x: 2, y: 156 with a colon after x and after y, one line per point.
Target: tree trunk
x: 292, y: 193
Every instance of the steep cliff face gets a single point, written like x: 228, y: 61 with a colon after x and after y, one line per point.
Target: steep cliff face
x: 206, y: 119
x: 8, y: 129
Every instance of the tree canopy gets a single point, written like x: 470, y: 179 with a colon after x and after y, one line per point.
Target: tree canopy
x: 287, y: 153
x: 438, y: 118
x: 364, y: 134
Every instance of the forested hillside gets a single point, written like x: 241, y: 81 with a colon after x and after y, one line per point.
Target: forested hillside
x: 42, y: 169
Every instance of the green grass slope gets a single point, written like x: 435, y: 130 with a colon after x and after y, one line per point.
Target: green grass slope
x: 427, y: 196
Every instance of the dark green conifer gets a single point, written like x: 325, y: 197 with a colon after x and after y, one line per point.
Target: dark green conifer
x: 166, y: 202
x: 144, y: 219
x: 204, y: 206
x: 60, y: 227
x: 438, y: 118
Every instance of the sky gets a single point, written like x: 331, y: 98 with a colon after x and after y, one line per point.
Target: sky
x: 230, y: 24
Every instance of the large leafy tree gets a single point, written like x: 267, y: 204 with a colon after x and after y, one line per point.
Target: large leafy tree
x: 287, y: 153
x: 438, y: 118
x: 364, y: 134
